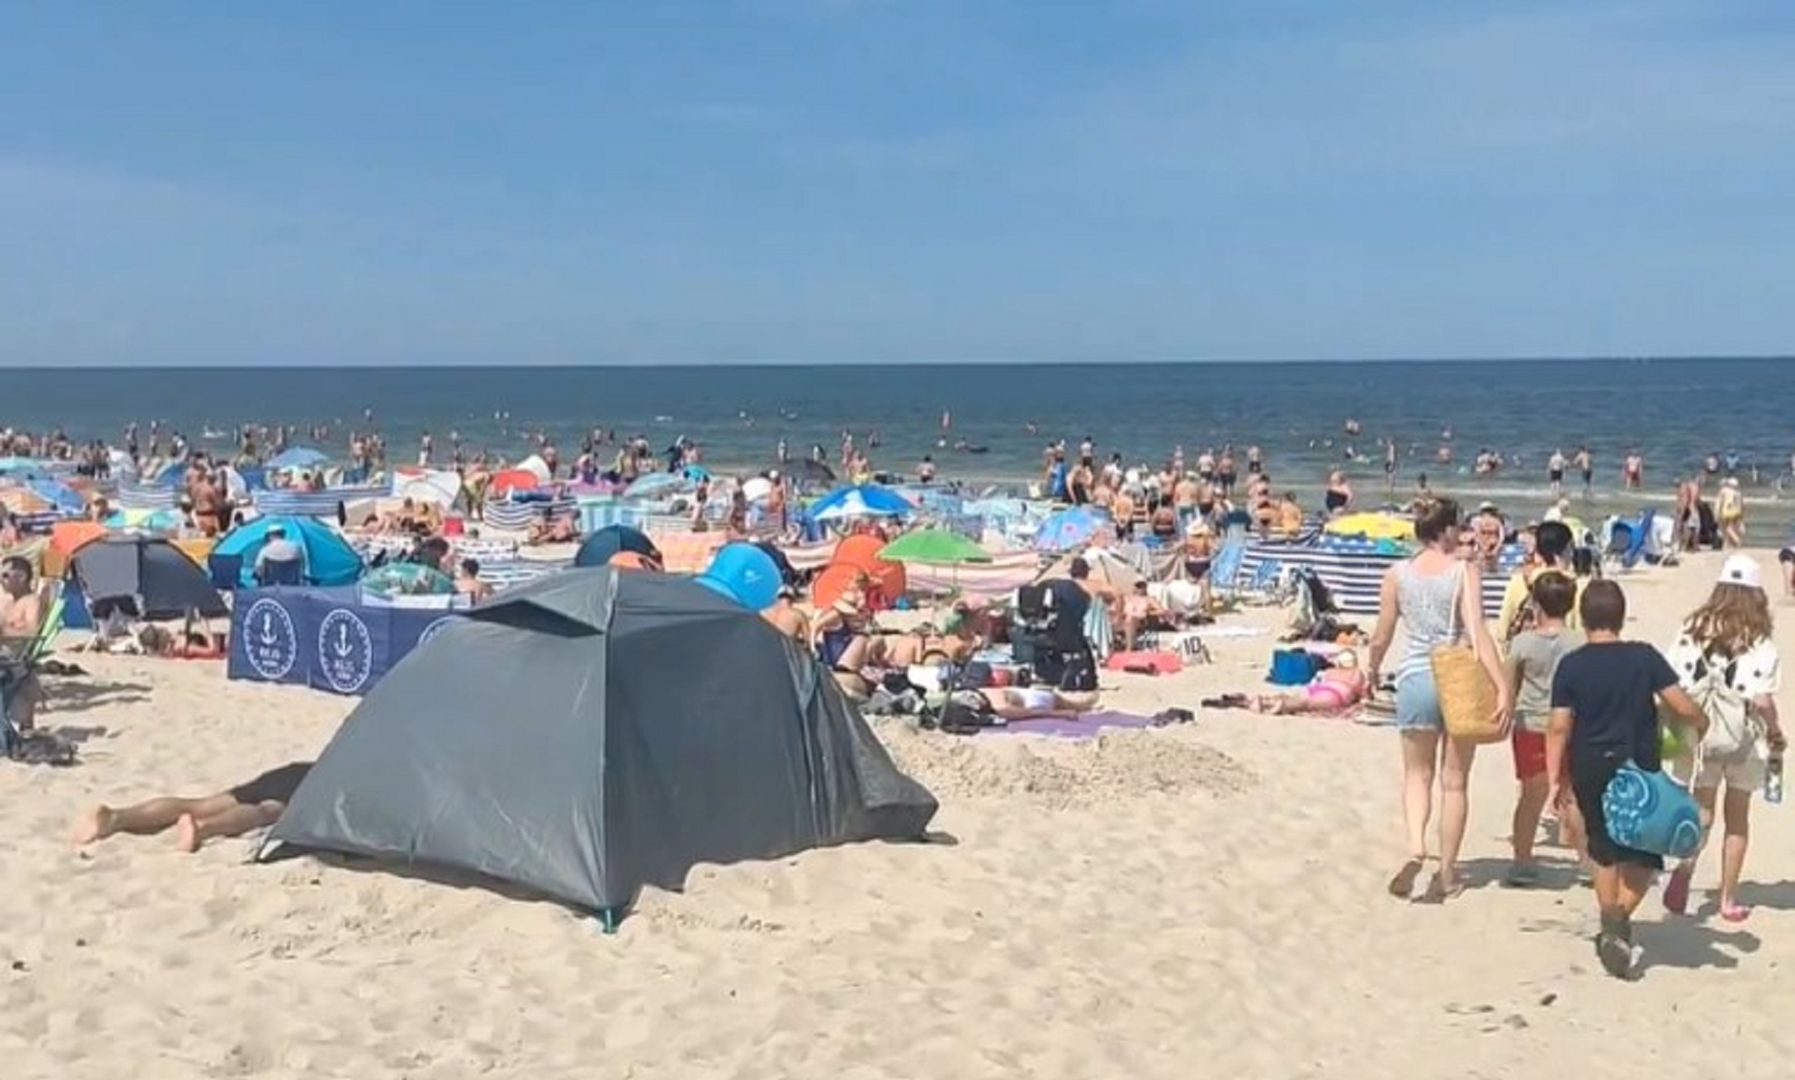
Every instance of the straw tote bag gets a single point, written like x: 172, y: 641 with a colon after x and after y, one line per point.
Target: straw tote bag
x: 1467, y: 696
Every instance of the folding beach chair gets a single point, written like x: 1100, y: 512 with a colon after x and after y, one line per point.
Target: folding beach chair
x: 17, y: 666
x: 224, y: 571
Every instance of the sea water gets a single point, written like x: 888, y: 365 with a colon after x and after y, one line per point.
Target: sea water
x: 1674, y: 411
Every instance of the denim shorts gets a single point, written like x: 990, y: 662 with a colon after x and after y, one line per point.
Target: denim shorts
x: 1418, y: 703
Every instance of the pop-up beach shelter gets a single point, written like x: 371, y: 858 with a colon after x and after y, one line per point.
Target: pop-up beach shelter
x: 597, y: 731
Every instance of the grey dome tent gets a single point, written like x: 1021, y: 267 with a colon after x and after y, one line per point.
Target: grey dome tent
x: 597, y: 731
x: 148, y: 576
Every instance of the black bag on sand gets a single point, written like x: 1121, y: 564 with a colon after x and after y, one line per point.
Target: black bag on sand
x: 966, y: 712
x: 1080, y: 672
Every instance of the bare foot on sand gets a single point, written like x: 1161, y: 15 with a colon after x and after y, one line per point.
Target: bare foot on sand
x: 187, y: 834
x: 95, y: 824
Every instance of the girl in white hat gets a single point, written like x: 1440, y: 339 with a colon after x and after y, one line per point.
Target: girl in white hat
x: 1726, y: 659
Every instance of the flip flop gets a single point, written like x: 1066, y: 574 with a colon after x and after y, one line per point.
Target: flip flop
x: 1735, y: 913
x: 1521, y: 877
x: 1404, y: 882
x: 1676, y: 890
x: 1438, y: 894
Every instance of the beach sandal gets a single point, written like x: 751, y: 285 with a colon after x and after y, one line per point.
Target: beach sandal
x: 1735, y: 912
x: 1521, y: 876
x: 1676, y: 890
x: 1404, y: 882
x: 1438, y: 893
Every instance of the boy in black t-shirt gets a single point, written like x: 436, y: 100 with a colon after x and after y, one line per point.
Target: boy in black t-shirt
x: 1604, y: 714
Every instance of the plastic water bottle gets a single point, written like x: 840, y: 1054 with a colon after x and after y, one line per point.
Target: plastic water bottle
x: 1773, y: 780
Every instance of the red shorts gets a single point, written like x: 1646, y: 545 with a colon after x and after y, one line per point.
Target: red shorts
x: 1530, y: 753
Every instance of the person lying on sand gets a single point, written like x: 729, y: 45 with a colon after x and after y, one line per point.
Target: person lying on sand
x: 1038, y: 702
x: 253, y: 805
x: 558, y: 530
x: 1334, y: 691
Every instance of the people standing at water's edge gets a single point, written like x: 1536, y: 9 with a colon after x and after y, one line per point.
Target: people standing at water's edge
x: 1587, y: 467
x: 1730, y: 509
x: 1603, y: 719
x: 1435, y: 597
x: 1555, y: 472
x: 1338, y: 498
x: 1633, y: 471
x: 1726, y: 659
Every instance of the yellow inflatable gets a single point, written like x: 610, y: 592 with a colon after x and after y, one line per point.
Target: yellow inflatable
x: 1373, y: 526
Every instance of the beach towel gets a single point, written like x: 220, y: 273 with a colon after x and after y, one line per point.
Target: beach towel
x: 1648, y: 811
x: 1142, y: 662
x: 1086, y: 726
x: 1099, y: 631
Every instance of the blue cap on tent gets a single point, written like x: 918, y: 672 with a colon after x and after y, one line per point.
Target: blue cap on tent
x: 745, y: 574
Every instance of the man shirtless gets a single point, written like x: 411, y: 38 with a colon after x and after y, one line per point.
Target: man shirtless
x: 21, y: 616
x: 252, y: 805
x: 786, y: 615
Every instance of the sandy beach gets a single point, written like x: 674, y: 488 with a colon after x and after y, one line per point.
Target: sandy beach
x: 1204, y: 900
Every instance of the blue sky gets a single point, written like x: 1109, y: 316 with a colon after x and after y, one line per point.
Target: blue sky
x: 888, y: 180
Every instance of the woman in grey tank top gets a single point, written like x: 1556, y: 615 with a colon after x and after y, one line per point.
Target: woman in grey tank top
x: 1437, y: 597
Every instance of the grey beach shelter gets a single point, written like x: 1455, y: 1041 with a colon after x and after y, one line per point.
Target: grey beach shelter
x: 597, y: 731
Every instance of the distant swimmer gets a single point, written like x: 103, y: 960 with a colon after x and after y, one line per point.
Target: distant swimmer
x: 1352, y: 426
x: 1632, y: 471
x: 1035, y: 429
x: 947, y: 420
x: 1446, y: 433
x: 1587, y: 466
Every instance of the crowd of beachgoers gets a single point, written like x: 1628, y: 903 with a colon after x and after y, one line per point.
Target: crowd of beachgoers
x: 1575, y: 702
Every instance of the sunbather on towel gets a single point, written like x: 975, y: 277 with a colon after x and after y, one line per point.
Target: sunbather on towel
x: 1141, y: 612
x: 1333, y: 691
x: 252, y: 805
x: 1038, y: 702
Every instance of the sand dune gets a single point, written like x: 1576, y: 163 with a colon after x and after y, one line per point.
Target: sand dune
x: 1185, y: 902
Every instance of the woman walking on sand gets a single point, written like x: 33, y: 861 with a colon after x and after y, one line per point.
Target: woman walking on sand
x: 1725, y: 657
x: 1436, y: 597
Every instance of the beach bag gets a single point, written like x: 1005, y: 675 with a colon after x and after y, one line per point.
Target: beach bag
x: 1467, y: 696
x: 1293, y: 667
x: 1650, y: 812
x: 1732, y: 735
x: 1080, y: 674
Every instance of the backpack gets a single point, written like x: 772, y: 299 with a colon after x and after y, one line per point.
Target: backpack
x: 1732, y: 732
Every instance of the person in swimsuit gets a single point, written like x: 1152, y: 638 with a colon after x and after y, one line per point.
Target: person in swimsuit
x: 1335, y: 690
x: 1729, y: 507
x: 1339, y: 494
x: 1633, y: 472
x: 1224, y: 473
x: 1587, y: 466
x: 1038, y: 702
x: 1164, y: 520
x: 253, y: 805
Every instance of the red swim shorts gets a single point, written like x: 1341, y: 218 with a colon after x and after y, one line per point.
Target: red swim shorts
x: 1530, y: 753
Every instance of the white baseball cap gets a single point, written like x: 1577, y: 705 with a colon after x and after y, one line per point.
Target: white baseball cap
x: 1741, y: 570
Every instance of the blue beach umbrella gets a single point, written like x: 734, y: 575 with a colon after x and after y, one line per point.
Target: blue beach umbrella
x: 656, y: 484
x: 63, y: 497
x: 297, y: 457
x: 1068, y: 529
x: 862, y: 500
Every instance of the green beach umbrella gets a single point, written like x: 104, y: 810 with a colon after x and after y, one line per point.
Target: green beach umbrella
x: 934, y: 546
